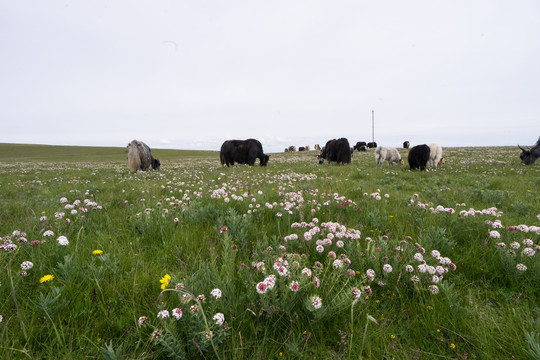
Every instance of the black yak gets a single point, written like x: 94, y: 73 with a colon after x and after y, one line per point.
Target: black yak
x: 528, y: 157
x: 360, y: 146
x: 140, y: 157
x: 242, y: 152
x: 418, y: 157
x: 371, y: 145
x: 406, y: 144
x: 336, y: 150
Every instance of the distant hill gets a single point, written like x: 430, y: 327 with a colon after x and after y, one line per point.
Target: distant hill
x: 35, y: 152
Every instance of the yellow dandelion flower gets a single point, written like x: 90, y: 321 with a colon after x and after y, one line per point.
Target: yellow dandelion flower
x: 453, y: 346
x: 97, y: 252
x: 392, y: 336
x: 46, y: 278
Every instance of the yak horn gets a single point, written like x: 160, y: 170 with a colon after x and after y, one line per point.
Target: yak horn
x: 521, y: 148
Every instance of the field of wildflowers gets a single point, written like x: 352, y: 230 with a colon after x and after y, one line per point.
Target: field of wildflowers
x: 293, y: 260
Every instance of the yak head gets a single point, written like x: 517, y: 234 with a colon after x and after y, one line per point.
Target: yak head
x: 525, y: 156
x: 155, y: 164
x: 264, y: 159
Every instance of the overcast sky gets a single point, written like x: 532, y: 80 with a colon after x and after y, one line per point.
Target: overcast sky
x: 191, y: 74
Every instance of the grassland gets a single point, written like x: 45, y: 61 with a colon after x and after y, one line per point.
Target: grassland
x: 293, y: 260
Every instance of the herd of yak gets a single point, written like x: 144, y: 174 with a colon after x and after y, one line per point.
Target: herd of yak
x: 140, y: 157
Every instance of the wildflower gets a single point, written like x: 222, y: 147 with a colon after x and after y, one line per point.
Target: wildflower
x: 434, y: 289
x: 216, y: 293
x: 141, y: 321
x: 194, y: 308
x: 306, y: 272
x: 332, y: 254
x: 48, y: 233
x: 179, y: 286
x: 415, y: 278
x: 270, y: 281
x: 317, y: 282
x: 165, y: 281
x: 528, y: 252
x: 163, y: 314
x: 418, y: 257
x: 261, y: 287
x: 521, y: 267
x: 156, y: 334
x: 97, y: 252
x: 436, y: 254
x: 26, y: 265
x: 219, y: 318
x: 294, y: 286
x: 319, y: 249
x: 368, y: 290
x: 452, y: 345
x: 35, y: 242
x: 337, y: 263
x: 209, y: 334
x: 223, y: 229
x: 339, y: 244
x: 177, y: 313
x: 387, y: 268
x: 46, y: 278
x: 494, y: 234
x: 370, y: 274
x: 528, y: 242
x: 356, y: 293
x: 316, y: 302
x: 62, y: 240
x: 409, y: 268
x: 515, y: 245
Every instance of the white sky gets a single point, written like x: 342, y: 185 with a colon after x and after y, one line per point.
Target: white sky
x: 190, y: 74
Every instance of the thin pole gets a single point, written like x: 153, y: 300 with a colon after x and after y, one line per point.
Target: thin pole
x: 373, y: 125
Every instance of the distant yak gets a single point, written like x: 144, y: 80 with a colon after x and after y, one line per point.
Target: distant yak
x: 371, y: 145
x: 360, y: 146
x: 242, y: 152
x: 140, y: 157
x: 406, y: 144
x: 528, y: 157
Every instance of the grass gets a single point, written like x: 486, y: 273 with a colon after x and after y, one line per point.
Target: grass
x: 172, y: 222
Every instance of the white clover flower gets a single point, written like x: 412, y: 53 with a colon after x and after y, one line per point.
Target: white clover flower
x: 337, y: 263
x: 434, y: 289
x: 387, y: 268
x: 409, y: 268
x: 494, y: 234
x: 521, y: 267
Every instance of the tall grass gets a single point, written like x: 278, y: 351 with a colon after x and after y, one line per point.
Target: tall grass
x: 309, y: 261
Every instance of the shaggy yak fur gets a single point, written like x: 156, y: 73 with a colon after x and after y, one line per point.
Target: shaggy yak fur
x: 336, y: 150
x: 140, y: 157
x: 389, y: 154
x: 418, y: 157
x: 435, y: 155
x: 242, y: 152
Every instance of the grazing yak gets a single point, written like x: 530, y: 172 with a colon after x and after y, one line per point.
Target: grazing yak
x: 418, y: 157
x: 389, y: 154
x: 301, y: 148
x: 242, y: 152
x: 371, y: 145
x: 528, y: 157
x: 317, y: 147
x: 435, y: 155
x: 360, y: 146
x: 140, y: 157
x: 406, y: 144
x: 336, y: 150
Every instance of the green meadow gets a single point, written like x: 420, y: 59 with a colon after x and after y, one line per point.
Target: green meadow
x: 295, y: 260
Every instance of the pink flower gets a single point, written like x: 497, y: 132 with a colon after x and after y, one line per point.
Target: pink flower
x: 261, y: 287
x: 223, y: 229
x: 177, y: 313
x: 294, y: 286
x: 163, y: 314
